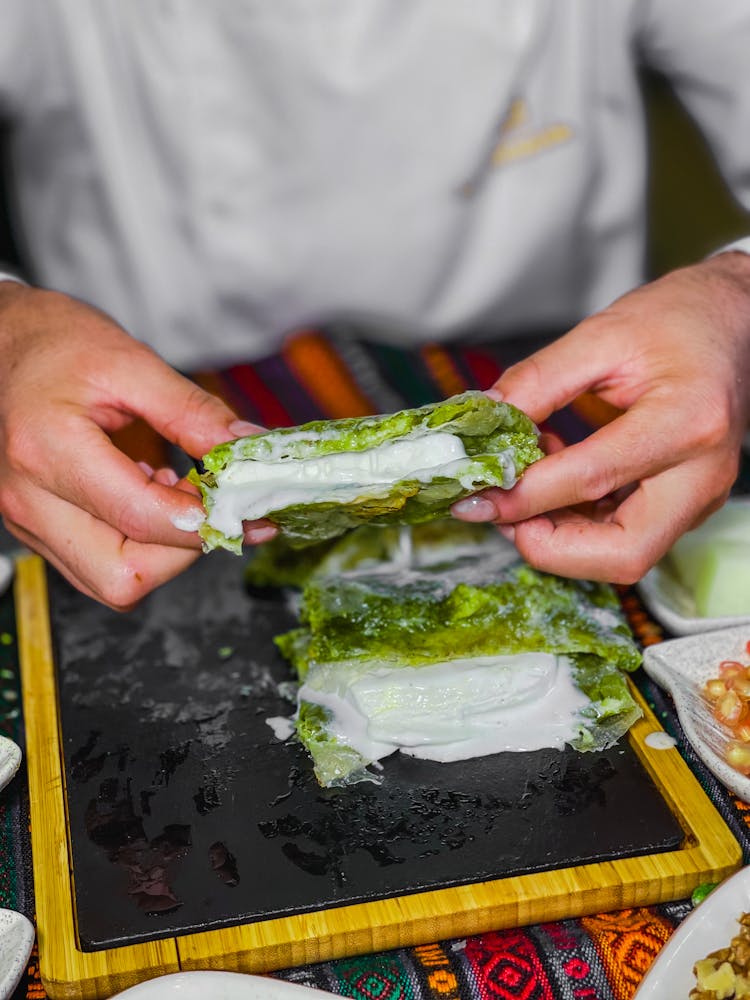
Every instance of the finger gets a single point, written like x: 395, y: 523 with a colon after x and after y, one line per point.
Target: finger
x: 555, y: 375
x: 166, y: 476
x: 550, y: 443
x: 243, y: 428
x: 622, y: 547
x: 483, y: 506
x: 112, y: 569
x: 624, y: 451
x: 30, y: 541
x: 109, y: 486
x: 257, y: 532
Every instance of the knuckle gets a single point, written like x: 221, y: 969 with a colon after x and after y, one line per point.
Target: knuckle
x: 730, y: 471
x: 12, y: 505
x: 630, y: 569
x: 196, y: 402
x: 715, y: 424
x: 595, y: 482
x: 17, y: 445
x: 716, y: 504
x: 124, y: 590
x: 536, y: 559
x: 132, y: 524
x: 133, y: 519
x: 13, y: 528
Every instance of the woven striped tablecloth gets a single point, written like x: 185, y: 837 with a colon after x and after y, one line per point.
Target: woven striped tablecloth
x: 601, y: 957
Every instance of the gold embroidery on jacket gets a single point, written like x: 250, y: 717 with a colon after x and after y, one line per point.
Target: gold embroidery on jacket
x: 512, y: 147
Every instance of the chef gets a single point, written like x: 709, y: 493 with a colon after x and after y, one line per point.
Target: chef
x: 191, y: 181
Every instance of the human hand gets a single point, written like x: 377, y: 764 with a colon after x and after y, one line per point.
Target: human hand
x: 69, y: 378
x: 674, y: 357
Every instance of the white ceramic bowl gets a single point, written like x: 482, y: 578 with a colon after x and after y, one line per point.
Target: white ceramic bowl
x: 673, y: 607
x: 682, y: 666
x: 709, y: 927
x: 669, y: 600
x: 220, y: 986
x: 10, y: 760
x: 6, y: 572
x: 16, y: 942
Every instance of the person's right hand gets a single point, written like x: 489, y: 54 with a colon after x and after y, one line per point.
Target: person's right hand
x: 69, y: 377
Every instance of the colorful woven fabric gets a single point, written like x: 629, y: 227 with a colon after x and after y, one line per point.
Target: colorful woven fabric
x: 600, y: 957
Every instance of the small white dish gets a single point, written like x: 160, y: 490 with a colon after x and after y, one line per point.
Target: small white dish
x: 672, y: 605
x: 669, y: 597
x: 16, y: 942
x: 220, y: 986
x: 682, y: 666
x: 709, y: 927
x: 10, y: 760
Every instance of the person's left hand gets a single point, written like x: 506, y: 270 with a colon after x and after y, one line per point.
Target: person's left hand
x: 674, y: 357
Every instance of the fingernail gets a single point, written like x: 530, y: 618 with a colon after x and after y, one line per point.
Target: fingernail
x: 508, y: 531
x: 189, y: 520
x: 495, y: 394
x: 256, y: 536
x: 168, y: 477
x: 475, y: 508
x: 241, y: 428
x: 145, y: 467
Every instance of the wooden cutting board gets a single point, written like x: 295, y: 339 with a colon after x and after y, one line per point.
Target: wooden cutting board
x: 172, y: 830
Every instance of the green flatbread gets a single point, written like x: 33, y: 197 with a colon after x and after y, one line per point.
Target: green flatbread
x: 468, y: 609
x: 314, y: 493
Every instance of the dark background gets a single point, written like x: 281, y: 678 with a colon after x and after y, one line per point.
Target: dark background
x: 9, y: 255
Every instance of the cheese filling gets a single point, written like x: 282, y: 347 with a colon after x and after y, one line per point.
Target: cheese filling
x: 452, y: 710
x: 249, y: 489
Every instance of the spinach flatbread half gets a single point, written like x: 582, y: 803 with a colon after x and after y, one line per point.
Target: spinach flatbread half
x: 321, y: 479
x: 456, y: 661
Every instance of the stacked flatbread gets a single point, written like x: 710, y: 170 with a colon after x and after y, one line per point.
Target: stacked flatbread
x: 439, y: 642
x: 418, y: 633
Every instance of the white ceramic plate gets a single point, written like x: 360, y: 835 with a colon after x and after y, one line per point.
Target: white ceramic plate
x: 6, y: 572
x: 673, y: 606
x: 10, y: 760
x: 709, y: 927
x: 16, y: 942
x: 10, y: 754
x: 220, y: 986
x: 682, y: 666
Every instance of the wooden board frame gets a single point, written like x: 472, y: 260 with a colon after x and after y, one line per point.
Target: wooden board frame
x: 708, y: 853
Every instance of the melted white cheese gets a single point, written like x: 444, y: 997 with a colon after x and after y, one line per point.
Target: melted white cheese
x: 282, y: 726
x: 248, y: 489
x: 189, y: 520
x: 660, y: 741
x: 452, y: 710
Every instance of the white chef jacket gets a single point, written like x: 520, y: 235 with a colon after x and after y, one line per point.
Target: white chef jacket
x: 216, y: 174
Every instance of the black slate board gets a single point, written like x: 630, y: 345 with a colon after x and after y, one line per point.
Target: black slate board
x: 186, y: 812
